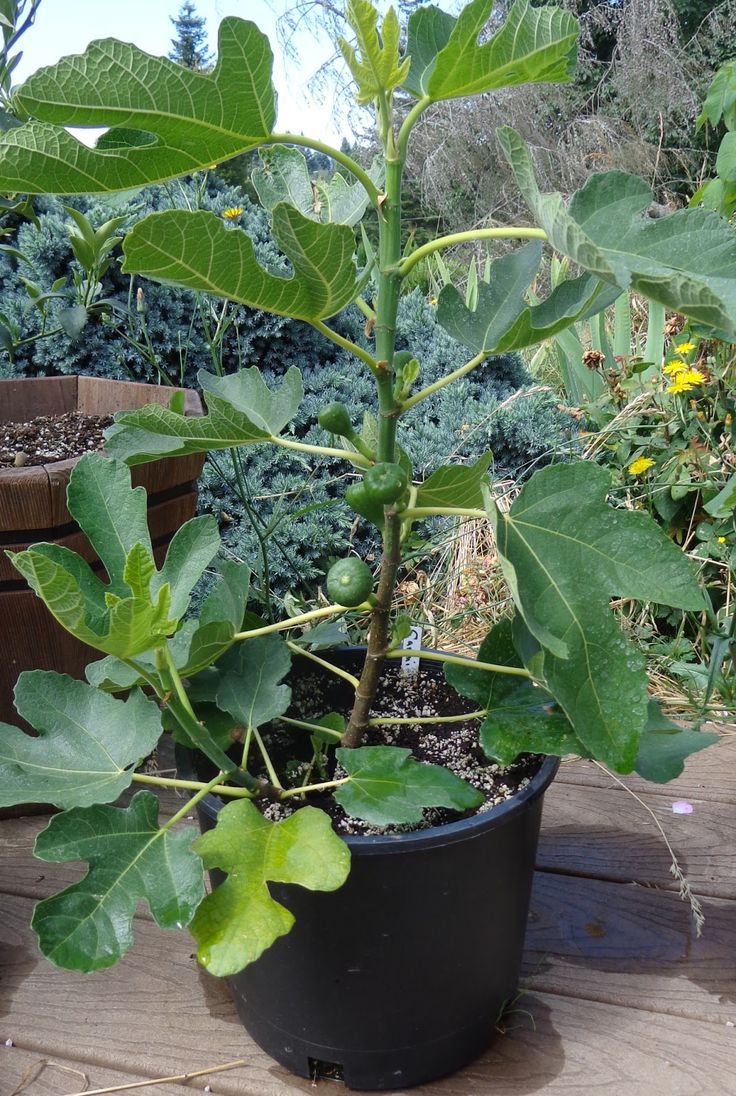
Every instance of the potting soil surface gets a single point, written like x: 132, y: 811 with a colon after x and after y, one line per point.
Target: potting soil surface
x: 50, y: 438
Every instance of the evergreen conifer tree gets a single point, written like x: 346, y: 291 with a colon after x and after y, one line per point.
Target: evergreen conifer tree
x: 189, y: 48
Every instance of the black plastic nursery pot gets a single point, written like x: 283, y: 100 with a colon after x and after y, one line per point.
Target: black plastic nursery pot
x: 401, y: 975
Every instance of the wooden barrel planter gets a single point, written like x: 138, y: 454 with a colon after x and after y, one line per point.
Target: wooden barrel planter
x: 33, y: 509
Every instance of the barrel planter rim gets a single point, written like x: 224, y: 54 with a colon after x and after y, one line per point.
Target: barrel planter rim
x: 33, y: 509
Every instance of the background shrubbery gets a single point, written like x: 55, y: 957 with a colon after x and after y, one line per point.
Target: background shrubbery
x: 177, y: 334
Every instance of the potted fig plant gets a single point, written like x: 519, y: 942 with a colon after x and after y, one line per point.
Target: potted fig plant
x: 353, y: 936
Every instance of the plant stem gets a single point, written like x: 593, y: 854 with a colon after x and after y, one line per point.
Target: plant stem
x: 430, y: 390
x: 178, y: 686
x: 415, y: 512
x: 203, y: 791
x: 327, y: 784
x: 322, y: 450
x: 510, y: 233
x: 365, y: 308
x: 297, y: 650
x: 387, y: 721
x: 297, y: 621
x: 458, y: 660
x: 191, y: 785
x: 379, y: 637
x: 273, y: 775
x: 346, y: 344
x: 337, y: 735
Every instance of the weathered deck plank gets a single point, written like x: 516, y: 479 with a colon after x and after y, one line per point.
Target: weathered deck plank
x: 709, y: 775
x: 27, y: 1073
x: 604, y: 833
x: 629, y: 945
x: 620, y: 995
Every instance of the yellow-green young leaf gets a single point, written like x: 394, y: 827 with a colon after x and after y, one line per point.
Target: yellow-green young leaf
x: 242, y: 410
x: 198, y: 251
x: 388, y: 786
x: 89, y: 926
x: 140, y: 606
x: 685, y: 261
x: 377, y: 68
x: 138, y: 571
x: 532, y: 46
x: 87, y: 746
x: 565, y: 553
x: 198, y: 643
x: 239, y: 920
x: 167, y: 120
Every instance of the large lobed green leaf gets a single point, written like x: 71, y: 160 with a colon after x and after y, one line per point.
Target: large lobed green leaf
x: 166, y: 119
x: 240, y: 919
x: 88, y: 926
x: 503, y: 320
x: 685, y: 261
x: 565, y: 553
x: 455, y: 485
x: 198, y: 251
x: 284, y: 177
x: 87, y: 747
x: 665, y: 746
x: 388, y: 786
x: 242, y: 410
x: 521, y: 717
x: 532, y: 46
x: 251, y: 690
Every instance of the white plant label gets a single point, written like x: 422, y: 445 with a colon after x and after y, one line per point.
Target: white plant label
x: 413, y: 642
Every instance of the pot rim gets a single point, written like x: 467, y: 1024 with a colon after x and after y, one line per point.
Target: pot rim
x: 432, y: 836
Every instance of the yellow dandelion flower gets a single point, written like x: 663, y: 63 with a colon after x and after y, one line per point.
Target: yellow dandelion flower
x: 721, y: 540
x: 686, y: 381
x: 685, y: 348
x: 693, y: 376
x: 640, y: 465
x: 674, y: 367
x: 679, y: 385
x: 233, y: 213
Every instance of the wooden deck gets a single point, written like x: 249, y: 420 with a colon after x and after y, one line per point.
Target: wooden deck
x: 619, y: 996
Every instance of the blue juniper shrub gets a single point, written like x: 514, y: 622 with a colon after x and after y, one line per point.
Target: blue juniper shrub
x: 460, y: 422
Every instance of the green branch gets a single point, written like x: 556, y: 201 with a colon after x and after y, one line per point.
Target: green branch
x: 417, y: 512
x: 297, y: 621
x: 340, y: 157
x: 323, y: 787
x: 346, y: 344
x: 306, y: 726
x: 322, y: 450
x: 511, y: 233
x: 402, y: 140
x: 388, y: 721
x: 458, y: 660
x: 430, y: 390
x: 297, y: 650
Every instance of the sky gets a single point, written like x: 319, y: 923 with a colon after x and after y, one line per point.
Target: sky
x: 66, y: 26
